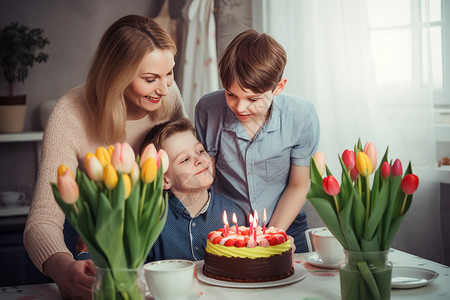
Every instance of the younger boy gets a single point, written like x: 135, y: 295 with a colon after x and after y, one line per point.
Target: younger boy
x: 194, y: 209
x: 260, y: 139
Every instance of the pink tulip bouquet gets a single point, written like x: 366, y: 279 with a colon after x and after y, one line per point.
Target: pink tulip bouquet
x: 364, y: 216
x: 118, y: 209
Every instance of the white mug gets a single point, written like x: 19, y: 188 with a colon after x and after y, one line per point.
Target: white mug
x: 327, y: 247
x: 11, y: 198
x: 169, y: 279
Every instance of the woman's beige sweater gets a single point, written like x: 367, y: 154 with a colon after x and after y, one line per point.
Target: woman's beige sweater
x: 69, y: 135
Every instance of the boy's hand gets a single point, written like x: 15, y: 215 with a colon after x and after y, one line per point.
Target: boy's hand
x: 291, y: 239
x: 80, y: 247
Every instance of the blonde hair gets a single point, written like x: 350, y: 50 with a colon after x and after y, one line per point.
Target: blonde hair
x: 255, y: 61
x: 114, y: 66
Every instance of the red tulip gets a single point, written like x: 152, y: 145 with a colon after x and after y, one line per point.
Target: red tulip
x: 349, y: 159
x: 409, y: 184
x: 385, y: 170
x: 354, y: 173
x: 397, y: 169
x: 330, y: 185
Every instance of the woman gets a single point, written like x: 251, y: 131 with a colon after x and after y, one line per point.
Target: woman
x: 129, y: 89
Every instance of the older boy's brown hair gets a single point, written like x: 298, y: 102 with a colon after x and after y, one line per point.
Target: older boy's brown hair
x: 161, y: 132
x: 255, y: 61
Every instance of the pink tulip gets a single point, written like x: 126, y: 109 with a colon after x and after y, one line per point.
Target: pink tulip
x: 409, y: 184
x: 162, y: 158
x: 349, y: 159
x: 385, y: 170
x: 149, y: 151
x: 135, y: 174
x: 331, y: 186
x: 354, y: 173
x: 68, y: 188
x: 371, y: 151
x: 397, y: 169
x: 123, y: 158
x: 319, y: 160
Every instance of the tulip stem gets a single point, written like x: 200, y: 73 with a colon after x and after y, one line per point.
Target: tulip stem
x: 336, y: 203
x: 359, y: 186
x: 403, y: 205
x: 75, y: 208
x: 367, y: 199
x: 141, y: 204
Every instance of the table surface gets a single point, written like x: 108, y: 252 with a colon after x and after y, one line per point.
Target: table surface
x: 318, y: 284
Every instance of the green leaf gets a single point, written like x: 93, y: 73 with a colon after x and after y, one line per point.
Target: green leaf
x: 326, y: 212
x: 347, y: 226
x: 379, y: 205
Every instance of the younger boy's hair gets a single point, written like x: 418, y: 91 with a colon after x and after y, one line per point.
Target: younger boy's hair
x: 255, y: 61
x: 161, y: 132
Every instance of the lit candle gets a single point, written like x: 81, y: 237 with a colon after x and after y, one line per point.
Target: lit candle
x: 250, y: 222
x: 235, y: 223
x: 225, y: 223
x: 255, y: 225
x: 264, y: 221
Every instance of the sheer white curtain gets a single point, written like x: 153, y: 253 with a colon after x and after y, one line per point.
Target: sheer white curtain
x: 331, y: 63
x: 200, y: 74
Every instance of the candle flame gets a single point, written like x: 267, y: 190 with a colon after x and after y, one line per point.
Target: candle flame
x: 264, y: 215
x: 250, y: 219
x: 256, y: 217
x: 225, y: 217
x: 234, y: 218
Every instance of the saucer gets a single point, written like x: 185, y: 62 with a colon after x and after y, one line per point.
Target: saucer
x: 314, y: 259
x: 191, y: 296
x: 412, y: 277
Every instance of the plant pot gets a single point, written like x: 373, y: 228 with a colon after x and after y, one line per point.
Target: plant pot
x: 12, y: 113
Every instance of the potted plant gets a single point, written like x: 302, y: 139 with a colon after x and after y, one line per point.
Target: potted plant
x: 19, y: 49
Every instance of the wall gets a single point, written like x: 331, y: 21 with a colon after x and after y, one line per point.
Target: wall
x: 74, y: 29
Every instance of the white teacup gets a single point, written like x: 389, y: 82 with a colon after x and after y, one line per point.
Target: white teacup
x: 327, y: 246
x: 10, y: 198
x: 169, y: 279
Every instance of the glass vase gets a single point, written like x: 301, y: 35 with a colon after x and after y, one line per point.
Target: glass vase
x: 366, y: 276
x: 119, y: 284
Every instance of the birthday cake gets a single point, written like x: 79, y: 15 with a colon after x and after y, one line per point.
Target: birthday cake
x: 248, y: 255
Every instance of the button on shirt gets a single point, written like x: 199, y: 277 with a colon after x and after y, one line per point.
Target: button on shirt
x: 254, y: 173
x: 184, y: 237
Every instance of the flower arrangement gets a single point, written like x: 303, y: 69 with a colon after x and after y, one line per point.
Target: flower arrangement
x: 118, y: 209
x: 363, y: 217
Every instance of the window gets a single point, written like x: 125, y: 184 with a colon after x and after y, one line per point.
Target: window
x: 399, y: 37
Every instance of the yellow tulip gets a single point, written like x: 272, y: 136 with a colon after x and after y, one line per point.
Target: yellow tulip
x: 103, y: 156
x: 127, y: 183
x: 62, y: 170
x: 110, y: 176
x: 363, y: 164
x: 110, y: 150
x: 68, y: 188
x: 149, y: 151
x: 149, y: 170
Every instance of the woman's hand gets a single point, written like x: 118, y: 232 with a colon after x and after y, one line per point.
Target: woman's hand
x: 73, y: 278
